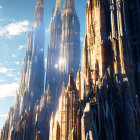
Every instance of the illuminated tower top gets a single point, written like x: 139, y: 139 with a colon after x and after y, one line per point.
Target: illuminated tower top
x: 39, y: 10
x: 69, y: 4
x: 58, y: 3
x: 57, y: 8
x: 40, y: 3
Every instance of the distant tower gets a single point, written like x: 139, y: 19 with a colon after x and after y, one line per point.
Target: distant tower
x: 69, y: 4
x: 39, y: 12
x: 64, y: 47
x: 53, y: 79
x: 70, y: 50
x: 32, y: 72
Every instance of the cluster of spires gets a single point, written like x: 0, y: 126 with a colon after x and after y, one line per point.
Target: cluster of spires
x: 100, y: 89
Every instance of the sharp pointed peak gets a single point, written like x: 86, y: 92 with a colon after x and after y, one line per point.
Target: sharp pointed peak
x: 57, y: 6
x: 40, y: 3
x: 69, y: 4
x: 39, y: 11
x: 58, y: 3
x: 63, y: 89
x: 71, y: 79
x: 63, y: 86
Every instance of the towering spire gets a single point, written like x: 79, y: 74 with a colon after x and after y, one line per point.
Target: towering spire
x: 40, y: 3
x: 58, y: 3
x: 57, y: 7
x: 63, y: 89
x: 39, y: 10
x: 69, y: 4
x: 32, y: 73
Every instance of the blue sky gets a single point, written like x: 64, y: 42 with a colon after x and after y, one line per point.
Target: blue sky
x: 16, y: 17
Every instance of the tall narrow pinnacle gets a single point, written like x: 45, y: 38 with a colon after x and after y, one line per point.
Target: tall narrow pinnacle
x: 32, y: 73
x: 69, y: 4
x: 58, y: 3
x: 39, y: 10
x: 40, y: 3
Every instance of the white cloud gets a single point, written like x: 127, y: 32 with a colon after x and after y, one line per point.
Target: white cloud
x: 1, y: 80
x: 16, y: 78
x: 10, y: 75
x: 3, y: 115
x: 8, y: 90
x: 1, y: 7
x: 21, y: 47
x: 4, y: 70
x: 7, y: 19
x: 13, y: 55
x: 2, y: 19
x: 17, y: 62
x: 15, y: 28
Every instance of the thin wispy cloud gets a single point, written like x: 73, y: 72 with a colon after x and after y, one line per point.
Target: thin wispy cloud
x: 14, y: 29
x: 16, y: 78
x: 7, y: 19
x: 13, y: 55
x: 22, y: 47
x: 3, y: 115
x: 8, y: 90
x: 0, y: 7
x: 1, y: 80
x: 17, y: 62
x: 4, y: 70
x: 10, y: 75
